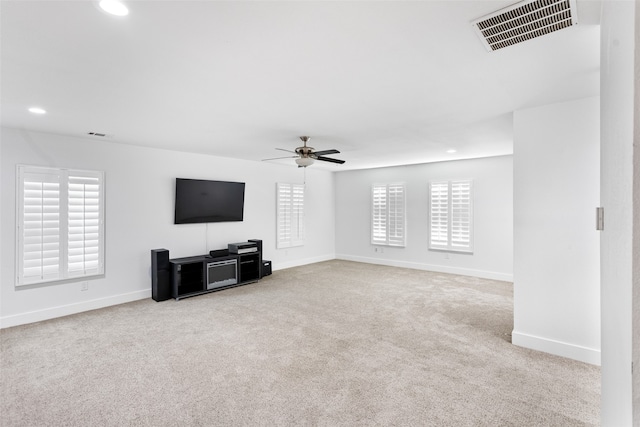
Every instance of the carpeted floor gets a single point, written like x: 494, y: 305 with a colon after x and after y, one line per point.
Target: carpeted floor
x: 336, y: 343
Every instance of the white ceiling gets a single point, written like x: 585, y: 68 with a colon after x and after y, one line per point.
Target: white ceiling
x: 384, y: 82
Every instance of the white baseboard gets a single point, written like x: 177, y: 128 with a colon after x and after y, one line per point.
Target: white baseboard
x: 66, y: 310
x: 492, y: 275
x: 559, y: 348
x: 297, y: 263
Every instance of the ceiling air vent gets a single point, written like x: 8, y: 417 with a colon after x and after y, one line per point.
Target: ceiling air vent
x: 524, y: 21
x: 101, y: 135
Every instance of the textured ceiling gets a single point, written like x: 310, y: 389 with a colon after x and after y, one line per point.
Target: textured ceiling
x: 386, y: 83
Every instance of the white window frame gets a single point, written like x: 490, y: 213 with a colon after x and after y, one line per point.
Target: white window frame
x: 290, y: 218
x: 451, y: 215
x: 59, y: 224
x: 389, y: 214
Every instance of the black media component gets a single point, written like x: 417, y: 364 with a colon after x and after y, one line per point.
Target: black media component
x: 249, y: 265
x: 160, y: 280
x: 258, y: 242
x: 187, y: 276
x: 219, y: 253
x: 220, y: 269
x: 266, y: 267
x: 199, y: 201
x: 243, y: 247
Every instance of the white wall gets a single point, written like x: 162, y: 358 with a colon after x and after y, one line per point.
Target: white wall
x: 493, y: 217
x: 140, y: 185
x: 556, y: 247
x: 636, y: 224
x: 617, y: 151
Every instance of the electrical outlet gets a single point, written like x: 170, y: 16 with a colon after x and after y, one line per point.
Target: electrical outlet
x: 375, y: 249
x: 84, y: 286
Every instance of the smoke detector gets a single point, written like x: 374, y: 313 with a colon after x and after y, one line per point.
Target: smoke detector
x: 524, y: 21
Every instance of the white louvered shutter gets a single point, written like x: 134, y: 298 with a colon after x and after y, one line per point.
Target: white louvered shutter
x: 60, y: 224
x: 84, y: 224
x: 297, y: 215
x: 439, y: 215
x: 290, y: 215
x: 39, y: 240
x: 461, y: 216
x: 396, y: 215
x: 284, y: 215
x: 379, y: 214
x: 451, y: 215
x: 388, y: 224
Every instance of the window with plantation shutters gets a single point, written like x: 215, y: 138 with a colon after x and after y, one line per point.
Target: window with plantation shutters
x: 60, y: 224
x: 84, y: 231
x: 451, y: 215
x: 388, y: 226
x: 290, y: 215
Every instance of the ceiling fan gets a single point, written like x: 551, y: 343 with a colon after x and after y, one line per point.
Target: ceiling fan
x: 306, y: 156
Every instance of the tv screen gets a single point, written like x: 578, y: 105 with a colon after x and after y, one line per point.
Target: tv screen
x: 200, y: 200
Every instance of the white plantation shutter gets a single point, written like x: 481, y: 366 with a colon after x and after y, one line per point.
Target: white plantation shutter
x: 297, y: 215
x: 39, y: 246
x: 60, y: 226
x: 290, y: 215
x: 379, y: 215
x: 396, y: 215
x: 84, y: 224
x: 388, y: 214
x: 451, y: 215
x: 439, y: 215
x: 461, y: 215
x: 283, y: 215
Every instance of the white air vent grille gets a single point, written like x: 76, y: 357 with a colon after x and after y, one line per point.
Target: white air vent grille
x: 99, y: 134
x: 524, y: 21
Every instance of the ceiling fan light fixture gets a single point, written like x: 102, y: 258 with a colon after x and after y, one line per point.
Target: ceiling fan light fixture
x: 304, y: 161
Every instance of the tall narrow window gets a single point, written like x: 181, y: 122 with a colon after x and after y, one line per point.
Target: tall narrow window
x: 451, y: 215
x: 60, y: 224
x: 388, y: 226
x: 290, y: 215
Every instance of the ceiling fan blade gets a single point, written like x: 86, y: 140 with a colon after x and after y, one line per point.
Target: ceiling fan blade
x: 329, y: 159
x: 278, y: 158
x: 288, y: 151
x: 323, y: 152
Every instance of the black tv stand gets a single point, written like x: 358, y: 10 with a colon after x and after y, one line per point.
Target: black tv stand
x: 201, y: 274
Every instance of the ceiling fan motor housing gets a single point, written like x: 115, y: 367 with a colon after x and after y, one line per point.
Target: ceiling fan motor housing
x: 305, y: 151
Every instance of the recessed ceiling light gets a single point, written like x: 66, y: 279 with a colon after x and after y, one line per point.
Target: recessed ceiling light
x: 451, y: 151
x: 114, y: 7
x: 37, y: 110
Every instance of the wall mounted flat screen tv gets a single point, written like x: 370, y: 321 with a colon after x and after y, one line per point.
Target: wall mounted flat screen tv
x: 200, y: 201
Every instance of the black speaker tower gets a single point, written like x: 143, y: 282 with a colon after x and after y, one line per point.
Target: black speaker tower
x: 160, y: 268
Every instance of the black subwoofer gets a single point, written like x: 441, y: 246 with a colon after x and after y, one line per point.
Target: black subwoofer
x: 160, y: 277
x: 266, y: 268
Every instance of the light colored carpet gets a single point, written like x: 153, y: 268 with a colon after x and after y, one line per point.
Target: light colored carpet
x: 330, y: 344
